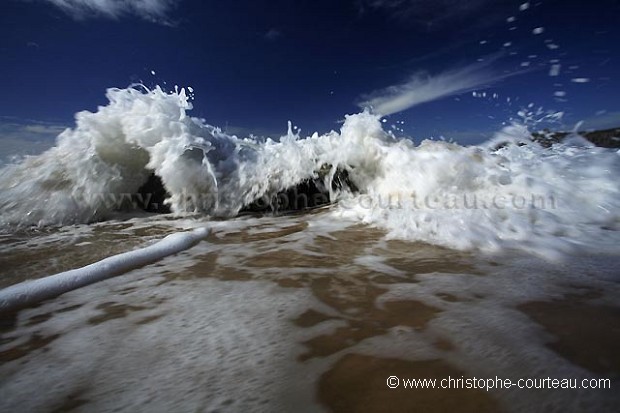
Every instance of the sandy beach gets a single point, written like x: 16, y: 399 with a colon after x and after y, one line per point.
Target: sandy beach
x: 295, y: 313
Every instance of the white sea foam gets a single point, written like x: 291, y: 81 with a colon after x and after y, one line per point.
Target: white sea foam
x: 528, y: 197
x: 206, y: 345
x: 509, y: 192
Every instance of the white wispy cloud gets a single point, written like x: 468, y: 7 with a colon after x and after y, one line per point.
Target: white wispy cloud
x: 427, y: 13
x: 26, y: 137
x: 273, y: 34
x: 423, y: 87
x: 151, y: 10
x: 603, y: 120
x: 11, y: 127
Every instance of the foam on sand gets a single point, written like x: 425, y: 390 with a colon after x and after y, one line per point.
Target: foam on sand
x: 30, y: 292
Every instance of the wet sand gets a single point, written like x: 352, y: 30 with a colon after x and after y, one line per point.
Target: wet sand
x: 357, y: 383
x: 363, y: 320
x: 586, y: 334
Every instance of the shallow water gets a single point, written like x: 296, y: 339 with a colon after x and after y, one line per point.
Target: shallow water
x: 304, y: 313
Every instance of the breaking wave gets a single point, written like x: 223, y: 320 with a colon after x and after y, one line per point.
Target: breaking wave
x: 504, y: 193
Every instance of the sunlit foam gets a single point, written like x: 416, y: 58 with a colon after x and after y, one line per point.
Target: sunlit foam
x: 508, y: 192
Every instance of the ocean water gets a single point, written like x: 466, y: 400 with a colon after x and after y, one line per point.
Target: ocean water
x: 496, y: 260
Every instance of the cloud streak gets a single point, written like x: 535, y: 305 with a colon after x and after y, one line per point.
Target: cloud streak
x: 604, y: 120
x: 422, y: 88
x: 428, y: 14
x: 152, y: 10
x: 27, y: 137
x: 273, y: 34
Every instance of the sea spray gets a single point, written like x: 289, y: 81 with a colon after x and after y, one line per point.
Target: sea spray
x: 507, y: 193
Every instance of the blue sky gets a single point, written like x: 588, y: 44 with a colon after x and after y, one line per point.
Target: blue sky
x: 449, y: 68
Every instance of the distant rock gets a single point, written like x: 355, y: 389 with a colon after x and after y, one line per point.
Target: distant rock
x: 151, y: 195
x: 608, y: 138
x: 307, y: 194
